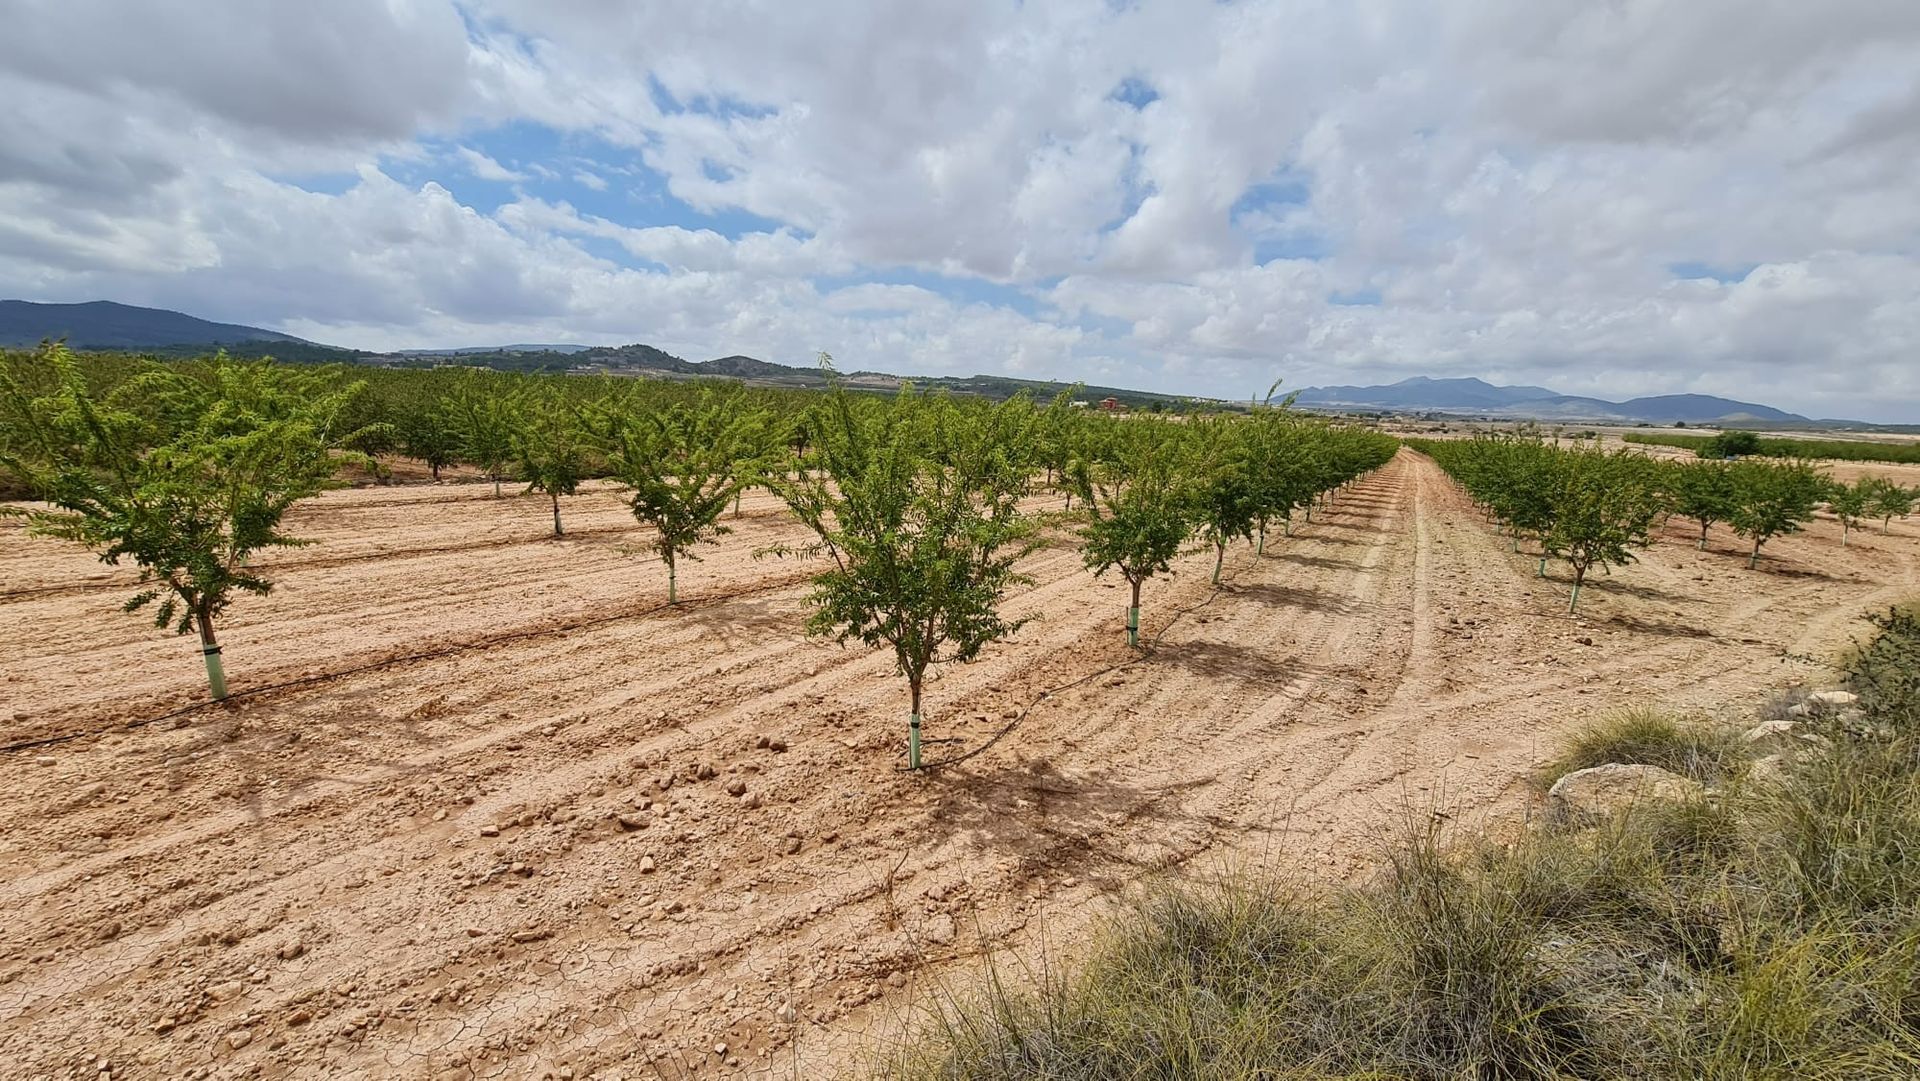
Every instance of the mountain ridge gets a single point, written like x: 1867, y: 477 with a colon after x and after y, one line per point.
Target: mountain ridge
x: 104, y: 324
x: 1476, y: 397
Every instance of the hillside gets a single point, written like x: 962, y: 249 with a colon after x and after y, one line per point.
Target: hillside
x: 103, y: 324
x: 1477, y: 397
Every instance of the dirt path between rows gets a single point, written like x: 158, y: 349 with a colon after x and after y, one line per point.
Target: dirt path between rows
x: 521, y: 819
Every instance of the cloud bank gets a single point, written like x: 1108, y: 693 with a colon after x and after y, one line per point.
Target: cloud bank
x: 1623, y: 198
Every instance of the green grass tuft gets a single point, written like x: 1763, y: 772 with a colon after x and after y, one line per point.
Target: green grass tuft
x: 1707, y: 753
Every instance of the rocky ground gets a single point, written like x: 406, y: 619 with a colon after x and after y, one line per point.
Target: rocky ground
x: 487, y: 808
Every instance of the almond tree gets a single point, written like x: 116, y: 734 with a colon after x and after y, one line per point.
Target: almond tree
x: 483, y: 412
x: 1604, y: 504
x: 1889, y: 501
x: 916, y: 504
x: 552, y: 446
x: 1139, y: 510
x: 184, y: 471
x: 1849, y: 503
x: 1225, y: 502
x: 681, y: 465
x: 1703, y: 491
x: 1772, y: 499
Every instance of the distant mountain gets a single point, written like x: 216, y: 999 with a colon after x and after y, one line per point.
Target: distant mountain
x: 1420, y: 392
x: 102, y: 324
x: 1479, y: 398
x: 476, y: 350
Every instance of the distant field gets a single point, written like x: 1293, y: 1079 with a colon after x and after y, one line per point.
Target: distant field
x: 1848, y: 450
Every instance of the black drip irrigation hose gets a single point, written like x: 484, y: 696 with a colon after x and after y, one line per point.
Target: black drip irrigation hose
x: 408, y: 658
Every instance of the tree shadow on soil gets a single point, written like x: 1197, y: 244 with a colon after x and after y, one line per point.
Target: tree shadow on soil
x: 745, y: 619
x: 1305, y: 598
x: 1225, y: 660
x: 1660, y: 627
x: 1601, y: 583
x: 1321, y: 562
x: 1055, y: 823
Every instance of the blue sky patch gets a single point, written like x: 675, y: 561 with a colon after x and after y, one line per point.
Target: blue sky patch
x: 1723, y: 275
x: 1136, y: 92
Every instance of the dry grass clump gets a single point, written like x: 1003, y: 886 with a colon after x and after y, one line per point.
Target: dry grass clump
x: 1773, y: 932
x: 1639, y: 736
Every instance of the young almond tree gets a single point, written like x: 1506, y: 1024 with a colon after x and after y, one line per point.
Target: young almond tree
x: 483, y: 413
x: 1773, y: 499
x: 422, y: 429
x: 916, y: 503
x: 552, y: 445
x: 1139, y: 509
x: 681, y: 465
x: 1889, y: 501
x: 186, y: 472
x: 1225, y: 502
x: 1603, y: 505
x: 1703, y: 491
x: 1849, y: 503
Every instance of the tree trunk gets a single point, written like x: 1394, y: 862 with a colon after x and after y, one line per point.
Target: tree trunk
x: 736, y: 501
x: 1579, y: 578
x: 673, y: 586
x: 1754, y: 559
x: 210, y: 652
x: 1542, y: 571
x: 1703, y: 535
x: 435, y: 466
x: 556, y: 513
x: 496, y: 486
x: 913, y: 727
x: 1133, y: 616
x: 1219, y: 557
x: 1261, y: 548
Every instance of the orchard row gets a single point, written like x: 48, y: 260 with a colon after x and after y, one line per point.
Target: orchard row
x: 919, y: 505
x: 1591, y: 507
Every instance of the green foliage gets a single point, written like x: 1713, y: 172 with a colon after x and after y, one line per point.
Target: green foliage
x: 1730, y: 444
x: 1703, y: 491
x: 1226, y: 503
x: 916, y: 503
x: 1845, y: 450
x: 423, y: 426
x: 1139, y: 507
x: 1887, y: 500
x: 1849, y: 503
x: 681, y: 464
x: 1773, y: 499
x: 553, y: 447
x: 483, y: 412
x: 186, y: 473
x: 1581, y: 504
x: 1603, y: 505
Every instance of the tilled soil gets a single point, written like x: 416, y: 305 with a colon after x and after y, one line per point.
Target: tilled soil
x: 485, y: 807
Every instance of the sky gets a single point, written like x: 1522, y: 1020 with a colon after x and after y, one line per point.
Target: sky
x: 1608, y: 197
